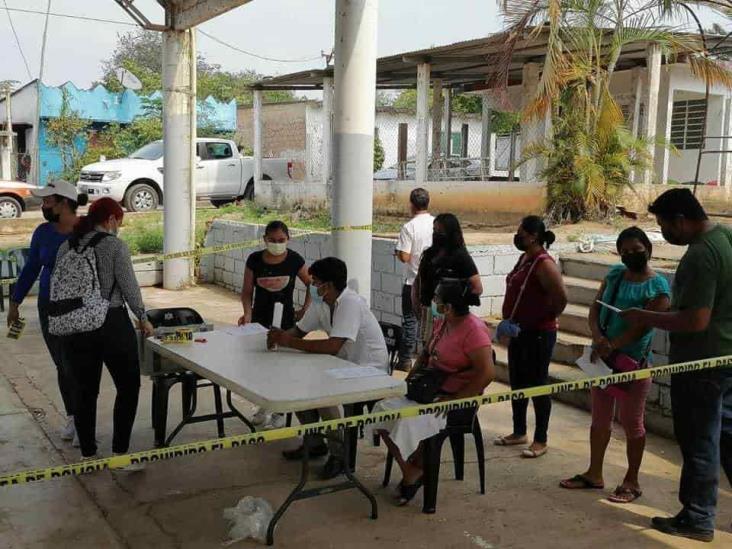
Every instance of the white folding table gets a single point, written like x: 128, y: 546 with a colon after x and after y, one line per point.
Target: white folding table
x: 282, y: 381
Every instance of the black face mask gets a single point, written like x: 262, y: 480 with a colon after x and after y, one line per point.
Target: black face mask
x: 519, y: 243
x: 635, y: 261
x: 439, y: 240
x: 50, y: 215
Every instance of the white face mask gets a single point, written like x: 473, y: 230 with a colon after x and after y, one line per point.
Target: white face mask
x: 276, y: 248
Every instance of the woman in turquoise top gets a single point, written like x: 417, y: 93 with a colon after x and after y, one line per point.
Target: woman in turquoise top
x: 632, y: 284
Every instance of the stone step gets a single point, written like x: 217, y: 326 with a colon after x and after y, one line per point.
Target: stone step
x: 587, y: 266
x: 581, y: 291
x: 574, y: 320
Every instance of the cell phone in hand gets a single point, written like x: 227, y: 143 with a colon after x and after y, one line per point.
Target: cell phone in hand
x: 16, y: 329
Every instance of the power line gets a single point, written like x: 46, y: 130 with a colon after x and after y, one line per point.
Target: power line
x: 245, y: 52
x: 127, y: 23
x: 17, y: 40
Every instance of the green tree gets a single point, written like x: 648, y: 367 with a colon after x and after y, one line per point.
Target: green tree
x: 378, y: 154
x: 68, y: 133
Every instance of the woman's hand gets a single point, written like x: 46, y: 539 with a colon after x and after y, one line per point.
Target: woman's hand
x: 601, y: 348
x: 146, y: 328
x: 13, y: 313
x: 246, y: 318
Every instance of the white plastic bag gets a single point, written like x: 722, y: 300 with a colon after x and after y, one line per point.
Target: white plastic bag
x: 249, y: 519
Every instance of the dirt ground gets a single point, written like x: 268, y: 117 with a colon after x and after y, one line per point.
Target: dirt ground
x: 179, y: 503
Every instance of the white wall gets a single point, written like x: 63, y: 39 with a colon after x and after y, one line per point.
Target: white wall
x: 23, y: 106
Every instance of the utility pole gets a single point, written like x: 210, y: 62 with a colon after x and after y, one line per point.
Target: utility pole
x: 6, y: 154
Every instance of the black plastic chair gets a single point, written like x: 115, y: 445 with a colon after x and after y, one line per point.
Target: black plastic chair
x: 393, y: 337
x: 190, y: 382
x: 9, y: 269
x: 459, y: 424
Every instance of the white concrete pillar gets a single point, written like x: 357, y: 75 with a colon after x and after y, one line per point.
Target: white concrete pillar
x: 353, y: 138
x: 486, y: 133
x: 653, y: 84
x: 725, y: 178
x: 436, y: 118
x: 327, y: 143
x: 533, y: 131
x: 257, y: 140
x: 447, y: 122
x: 177, y: 151
x: 423, y: 91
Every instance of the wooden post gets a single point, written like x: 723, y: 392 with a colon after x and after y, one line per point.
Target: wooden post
x: 402, y: 149
x: 464, y: 130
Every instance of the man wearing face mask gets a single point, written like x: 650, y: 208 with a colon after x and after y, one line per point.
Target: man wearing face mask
x: 60, y: 201
x: 353, y: 335
x: 700, y: 327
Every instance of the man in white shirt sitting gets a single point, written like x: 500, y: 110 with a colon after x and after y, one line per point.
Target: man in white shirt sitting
x: 414, y: 238
x: 353, y: 334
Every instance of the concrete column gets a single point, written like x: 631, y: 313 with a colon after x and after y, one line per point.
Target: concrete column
x: 532, y: 131
x: 257, y: 140
x: 423, y: 91
x: 327, y: 153
x: 177, y: 150
x: 447, y: 122
x: 436, y: 118
x: 353, y: 138
x: 653, y: 83
x: 486, y: 131
x: 637, y: 98
x: 726, y: 144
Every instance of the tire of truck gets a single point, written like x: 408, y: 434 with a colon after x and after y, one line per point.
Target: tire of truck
x: 10, y: 208
x: 141, y: 197
x: 249, y: 189
x: 219, y: 203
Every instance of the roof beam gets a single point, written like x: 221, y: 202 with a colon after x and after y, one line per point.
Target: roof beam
x: 189, y: 13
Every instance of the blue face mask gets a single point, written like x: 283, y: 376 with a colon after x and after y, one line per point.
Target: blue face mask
x: 435, y: 313
x: 314, y: 294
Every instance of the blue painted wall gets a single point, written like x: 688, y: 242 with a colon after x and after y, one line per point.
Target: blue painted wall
x: 101, y: 106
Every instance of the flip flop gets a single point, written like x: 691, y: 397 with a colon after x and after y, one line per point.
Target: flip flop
x: 624, y: 495
x: 507, y: 441
x: 583, y: 483
x: 408, y: 491
x: 532, y: 454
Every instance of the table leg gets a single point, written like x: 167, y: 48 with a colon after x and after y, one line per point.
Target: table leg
x: 351, y: 434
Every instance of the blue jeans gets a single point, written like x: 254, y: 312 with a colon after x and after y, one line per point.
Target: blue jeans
x: 702, y: 412
x: 409, y: 325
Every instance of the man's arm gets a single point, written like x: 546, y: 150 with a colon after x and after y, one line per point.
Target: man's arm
x: 404, y: 257
x: 404, y: 245
x: 330, y: 346
x: 688, y: 320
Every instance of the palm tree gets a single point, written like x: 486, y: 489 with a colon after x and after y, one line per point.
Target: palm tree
x: 589, y: 160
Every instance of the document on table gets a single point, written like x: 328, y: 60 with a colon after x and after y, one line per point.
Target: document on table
x: 245, y: 330
x: 594, y: 369
x: 355, y: 373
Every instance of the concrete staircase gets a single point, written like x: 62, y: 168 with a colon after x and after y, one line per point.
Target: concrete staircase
x: 583, y: 275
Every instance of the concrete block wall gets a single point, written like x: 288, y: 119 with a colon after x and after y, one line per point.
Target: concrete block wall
x: 227, y: 269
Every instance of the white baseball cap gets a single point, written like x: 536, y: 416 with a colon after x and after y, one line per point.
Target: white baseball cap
x: 60, y: 188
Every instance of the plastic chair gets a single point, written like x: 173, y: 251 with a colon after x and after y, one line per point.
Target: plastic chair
x: 459, y: 424
x: 393, y: 337
x: 8, y: 269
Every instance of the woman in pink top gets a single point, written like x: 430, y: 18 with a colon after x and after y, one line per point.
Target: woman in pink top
x: 461, y: 348
x: 535, y: 297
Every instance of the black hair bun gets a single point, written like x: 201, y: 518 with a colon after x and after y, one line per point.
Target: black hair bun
x: 549, y: 238
x: 82, y: 199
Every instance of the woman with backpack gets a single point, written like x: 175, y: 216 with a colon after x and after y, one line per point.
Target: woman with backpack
x: 92, y: 286
x: 60, y: 201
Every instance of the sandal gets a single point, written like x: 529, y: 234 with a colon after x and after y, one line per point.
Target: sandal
x: 509, y: 441
x: 623, y: 494
x: 408, y: 491
x: 531, y: 454
x: 580, y: 482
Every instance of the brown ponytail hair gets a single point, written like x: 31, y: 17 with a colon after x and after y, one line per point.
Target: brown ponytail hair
x: 99, y: 212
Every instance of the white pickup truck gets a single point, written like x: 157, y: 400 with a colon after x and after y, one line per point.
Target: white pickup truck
x: 222, y: 175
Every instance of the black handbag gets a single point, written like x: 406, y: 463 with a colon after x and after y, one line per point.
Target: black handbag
x: 423, y: 383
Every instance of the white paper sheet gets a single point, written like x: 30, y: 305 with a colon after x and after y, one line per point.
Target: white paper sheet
x: 593, y: 369
x: 607, y: 305
x: 355, y: 373
x: 245, y: 330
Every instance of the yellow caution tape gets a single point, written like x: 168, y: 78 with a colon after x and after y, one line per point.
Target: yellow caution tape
x: 325, y: 427
x: 200, y: 252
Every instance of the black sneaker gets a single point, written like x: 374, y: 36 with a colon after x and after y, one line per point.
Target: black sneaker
x: 674, y: 526
x: 317, y: 451
x: 332, y: 468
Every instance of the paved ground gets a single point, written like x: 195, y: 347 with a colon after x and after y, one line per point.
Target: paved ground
x: 179, y: 503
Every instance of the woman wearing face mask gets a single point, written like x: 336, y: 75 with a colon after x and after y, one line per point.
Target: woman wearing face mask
x: 630, y: 285
x: 535, y: 297
x: 115, y: 343
x: 269, y: 278
x: 447, y: 257
x: 60, y: 201
x: 460, y: 348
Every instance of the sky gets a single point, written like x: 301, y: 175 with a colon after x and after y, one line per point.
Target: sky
x: 282, y: 29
